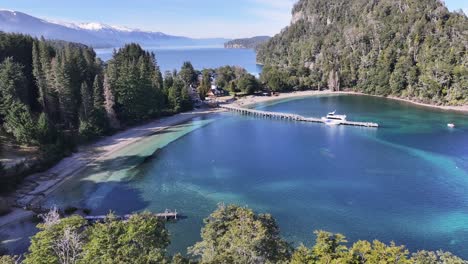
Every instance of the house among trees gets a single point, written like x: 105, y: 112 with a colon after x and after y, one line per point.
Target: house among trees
x: 217, y: 91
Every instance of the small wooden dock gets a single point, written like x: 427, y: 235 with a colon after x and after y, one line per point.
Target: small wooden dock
x: 166, y: 215
x: 292, y: 117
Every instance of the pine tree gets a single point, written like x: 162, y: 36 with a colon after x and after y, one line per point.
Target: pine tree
x: 45, y: 132
x: 187, y: 73
x: 136, y: 84
x: 86, y: 101
x: 98, y: 93
x: 205, y: 84
x: 16, y: 115
x: 40, y: 76
x: 65, y: 92
x: 110, y: 103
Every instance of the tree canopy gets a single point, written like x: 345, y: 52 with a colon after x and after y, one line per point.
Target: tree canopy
x: 235, y: 234
x: 55, y: 95
x: 411, y: 49
x: 232, y: 234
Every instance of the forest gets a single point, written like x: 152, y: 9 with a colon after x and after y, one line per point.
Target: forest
x: 231, y: 234
x: 409, y: 49
x: 246, y: 43
x: 55, y: 95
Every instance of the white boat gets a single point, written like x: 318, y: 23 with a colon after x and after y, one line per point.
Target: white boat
x: 451, y: 125
x: 334, y: 119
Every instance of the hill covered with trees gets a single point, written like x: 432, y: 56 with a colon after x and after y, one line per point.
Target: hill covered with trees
x: 231, y: 234
x: 246, y: 43
x: 410, y: 49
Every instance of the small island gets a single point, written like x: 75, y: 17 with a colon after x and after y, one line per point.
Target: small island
x: 246, y: 43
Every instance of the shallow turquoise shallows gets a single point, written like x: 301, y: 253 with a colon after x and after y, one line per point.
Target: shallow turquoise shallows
x: 406, y: 181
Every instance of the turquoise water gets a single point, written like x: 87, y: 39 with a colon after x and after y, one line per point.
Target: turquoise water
x: 406, y: 181
x: 170, y: 59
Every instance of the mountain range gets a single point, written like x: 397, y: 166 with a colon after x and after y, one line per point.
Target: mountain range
x: 97, y: 35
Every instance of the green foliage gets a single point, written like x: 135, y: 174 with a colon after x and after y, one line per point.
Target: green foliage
x: 228, y: 74
x: 248, y: 84
x: 19, y: 122
x: 205, y: 84
x: 179, y: 259
x: 45, y: 132
x: 429, y: 257
x: 140, y: 240
x: 135, y: 82
x: 143, y: 239
x: 178, y: 96
x: 302, y: 255
x: 15, y: 114
x: 331, y: 248
x: 43, y: 249
x: 247, y: 43
x: 275, y: 79
x: 55, y: 94
x: 188, y: 74
x: 411, y: 49
x: 9, y: 260
x: 231, y: 234
x: 235, y: 234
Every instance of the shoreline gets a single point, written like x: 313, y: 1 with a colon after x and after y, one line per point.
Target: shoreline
x: 38, y: 186
x: 251, y: 100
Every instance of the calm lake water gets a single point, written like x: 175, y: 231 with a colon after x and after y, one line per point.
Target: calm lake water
x: 201, y: 57
x: 406, y: 181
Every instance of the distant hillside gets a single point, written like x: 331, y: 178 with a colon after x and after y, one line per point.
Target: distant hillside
x: 246, y: 43
x: 414, y: 49
x: 93, y: 34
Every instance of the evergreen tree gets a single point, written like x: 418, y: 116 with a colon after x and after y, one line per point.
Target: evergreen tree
x: 65, y: 89
x: 135, y: 83
x: 16, y: 115
x: 98, y: 93
x: 205, y: 85
x: 45, y: 132
x: 110, y: 103
x: 87, y: 103
x: 188, y: 74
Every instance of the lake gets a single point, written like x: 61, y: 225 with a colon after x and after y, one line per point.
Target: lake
x: 169, y: 59
x: 406, y: 181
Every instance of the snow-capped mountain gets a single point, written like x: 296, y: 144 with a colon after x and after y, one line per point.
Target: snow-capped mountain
x: 93, y: 34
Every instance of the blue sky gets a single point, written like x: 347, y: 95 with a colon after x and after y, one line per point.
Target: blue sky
x: 200, y: 18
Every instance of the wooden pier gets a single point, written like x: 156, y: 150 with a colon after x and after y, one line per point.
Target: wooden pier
x: 167, y: 215
x: 292, y: 117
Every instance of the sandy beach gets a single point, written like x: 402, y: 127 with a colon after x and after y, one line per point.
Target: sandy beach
x: 252, y: 100
x: 38, y: 186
